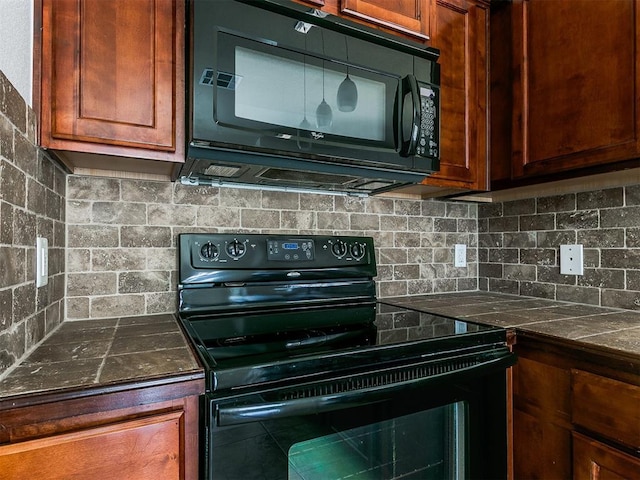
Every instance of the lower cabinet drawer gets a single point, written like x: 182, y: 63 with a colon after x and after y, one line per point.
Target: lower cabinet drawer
x: 608, y: 407
x: 595, y: 461
x: 142, y: 449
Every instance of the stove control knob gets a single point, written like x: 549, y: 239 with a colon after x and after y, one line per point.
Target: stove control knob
x: 209, y: 251
x: 236, y: 249
x: 339, y: 248
x: 357, y: 251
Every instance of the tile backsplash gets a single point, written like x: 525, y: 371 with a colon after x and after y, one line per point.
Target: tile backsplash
x: 519, y: 244
x: 32, y: 192
x: 112, y: 242
x: 122, y: 235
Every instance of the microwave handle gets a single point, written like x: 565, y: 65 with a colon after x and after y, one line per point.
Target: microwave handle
x: 409, y: 86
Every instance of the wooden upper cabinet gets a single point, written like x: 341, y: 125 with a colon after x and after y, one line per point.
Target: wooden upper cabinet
x: 576, y: 92
x: 113, y: 77
x: 460, y: 33
x: 408, y: 17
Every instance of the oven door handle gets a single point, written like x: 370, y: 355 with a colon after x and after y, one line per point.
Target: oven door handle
x: 269, y: 410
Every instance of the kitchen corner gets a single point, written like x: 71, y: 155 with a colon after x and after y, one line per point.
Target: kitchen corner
x: 98, y: 372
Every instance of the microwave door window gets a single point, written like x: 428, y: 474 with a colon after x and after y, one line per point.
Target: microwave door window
x: 293, y: 96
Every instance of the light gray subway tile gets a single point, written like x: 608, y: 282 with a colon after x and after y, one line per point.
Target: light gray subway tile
x: 240, y: 198
x: 557, y: 203
x: 167, y: 214
x: 141, y: 236
x: 580, y: 220
x: 143, y: 281
x: 280, y: 200
x: 613, y: 197
x: 364, y: 221
x: 146, y: 191
x: 119, y: 213
x: 317, y: 203
x: 93, y: 188
x: 92, y: 236
x: 195, y: 195
x: 259, y: 219
x: 601, y: 238
x: 86, y: 284
x: 305, y: 220
x: 116, y: 305
x: 118, y: 259
x: 620, y: 217
x: 218, y: 217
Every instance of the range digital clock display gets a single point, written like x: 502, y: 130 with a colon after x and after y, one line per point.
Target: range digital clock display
x: 290, y: 250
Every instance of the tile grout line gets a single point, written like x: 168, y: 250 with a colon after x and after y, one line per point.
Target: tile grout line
x: 106, y: 355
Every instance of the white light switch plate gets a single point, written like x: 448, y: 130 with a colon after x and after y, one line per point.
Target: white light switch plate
x: 460, y: 255
x: 571, y: 260
x: 42, y: 262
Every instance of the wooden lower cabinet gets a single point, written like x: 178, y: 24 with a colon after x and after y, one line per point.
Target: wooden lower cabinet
x: 138, y: 434
x: 147, y: 448
x: 576, y: 413
x: 541, y: 421
x: 595, y: 461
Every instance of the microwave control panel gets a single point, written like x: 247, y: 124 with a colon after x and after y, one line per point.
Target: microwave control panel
x: 427, y: 133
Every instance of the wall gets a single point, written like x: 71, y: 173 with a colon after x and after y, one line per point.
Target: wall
x: 16, y: 48
x: 519, y: 247
x: 32, y: 190
x: 121, y: 255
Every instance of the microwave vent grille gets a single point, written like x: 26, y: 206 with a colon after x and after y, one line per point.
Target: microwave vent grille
x: 304, y: 177
x: 221, y: 171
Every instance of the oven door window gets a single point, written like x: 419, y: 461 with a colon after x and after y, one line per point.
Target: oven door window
x: 287, y: 95
x: 424, y: 445
x: 371, y: 442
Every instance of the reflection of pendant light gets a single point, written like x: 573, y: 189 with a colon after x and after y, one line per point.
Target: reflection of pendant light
x: 305, y: 125
x: 347, y: 96
x: 324, y: 115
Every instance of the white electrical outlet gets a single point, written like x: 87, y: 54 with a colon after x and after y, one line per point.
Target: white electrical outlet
x: 571, y: 260
x: 42, y: 262
x: 460, y: 255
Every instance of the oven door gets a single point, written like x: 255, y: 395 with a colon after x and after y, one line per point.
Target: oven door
x: 388, y: 424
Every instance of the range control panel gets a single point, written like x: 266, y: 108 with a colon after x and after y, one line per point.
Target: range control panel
x: 256, y: 252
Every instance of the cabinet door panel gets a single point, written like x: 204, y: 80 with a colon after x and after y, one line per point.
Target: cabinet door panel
x: 110, y: 76
x: 597, y: 461
x: 408, y: 17
x: 461, y: 36
x: 147, y: 448
x: 591, y: 407
x: 577, y: 85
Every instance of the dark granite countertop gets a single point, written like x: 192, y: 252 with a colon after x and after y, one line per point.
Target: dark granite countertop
x: 606, y: 330
x: 101, y: 353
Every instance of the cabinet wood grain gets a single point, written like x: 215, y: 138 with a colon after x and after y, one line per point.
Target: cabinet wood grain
x: 113, y: 79
x: 607, y: 407
x: 574, y: 94
x: 594, y: 461
x: 410, y: 18
x: 142, y: 432
x: 461, y: 35
x: 147, y: 448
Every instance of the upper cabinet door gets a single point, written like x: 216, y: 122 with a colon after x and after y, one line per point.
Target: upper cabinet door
x: 460, y: 33
x: 411, y: 17
x: 112, y: 77
x: 576, y: 84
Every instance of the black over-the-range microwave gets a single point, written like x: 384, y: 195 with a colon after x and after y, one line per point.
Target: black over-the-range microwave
x: 285, y: 96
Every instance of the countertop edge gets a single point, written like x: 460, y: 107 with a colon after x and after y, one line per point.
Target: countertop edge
x: 73, y: 393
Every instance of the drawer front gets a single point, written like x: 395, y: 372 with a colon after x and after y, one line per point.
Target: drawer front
x: 607, y: 407
x: 596, y: 461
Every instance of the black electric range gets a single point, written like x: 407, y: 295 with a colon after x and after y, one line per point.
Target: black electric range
x: 280, y: 309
